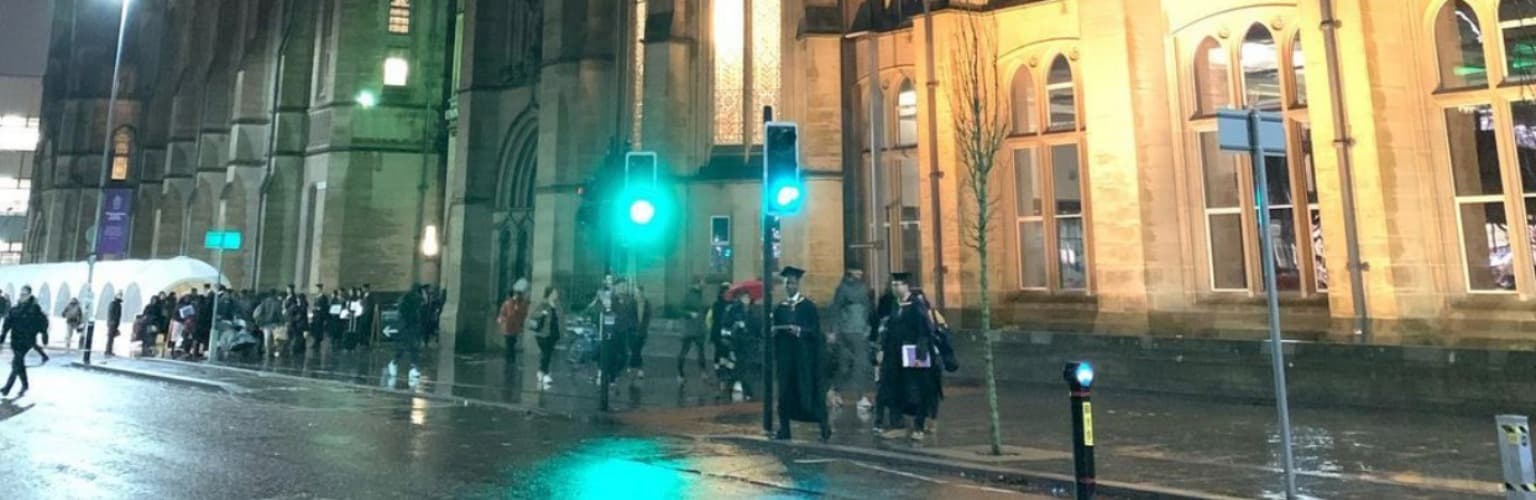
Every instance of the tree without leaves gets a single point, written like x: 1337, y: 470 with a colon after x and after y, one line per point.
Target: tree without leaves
x: 981, y: 123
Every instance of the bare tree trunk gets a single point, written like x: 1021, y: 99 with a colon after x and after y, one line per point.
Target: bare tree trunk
x: 986, y: 323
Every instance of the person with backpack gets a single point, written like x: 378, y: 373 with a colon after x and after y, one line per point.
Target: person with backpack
x: 910, y: 371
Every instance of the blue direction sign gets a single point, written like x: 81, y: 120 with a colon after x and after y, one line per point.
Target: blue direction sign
x: 1239, y: 129
x: 222, y: 240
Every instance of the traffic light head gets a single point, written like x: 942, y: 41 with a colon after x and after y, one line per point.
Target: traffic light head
x: 783, y: 188
x: 643, y: 205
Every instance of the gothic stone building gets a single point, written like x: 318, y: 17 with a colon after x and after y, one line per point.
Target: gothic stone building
x: 392, y: 141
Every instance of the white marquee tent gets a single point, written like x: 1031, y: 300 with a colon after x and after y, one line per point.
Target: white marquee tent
x: 54, y: 284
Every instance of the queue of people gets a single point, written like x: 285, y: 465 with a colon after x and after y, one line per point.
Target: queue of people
x: 269, y: 324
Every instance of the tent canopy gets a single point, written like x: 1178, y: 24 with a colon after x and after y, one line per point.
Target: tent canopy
x: 54, y: 284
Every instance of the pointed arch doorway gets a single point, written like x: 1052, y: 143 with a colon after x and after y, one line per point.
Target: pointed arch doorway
x: 514, y: 203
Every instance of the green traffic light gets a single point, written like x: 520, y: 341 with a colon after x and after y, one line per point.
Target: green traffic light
x: 642, y: 212
x: 787, y: 196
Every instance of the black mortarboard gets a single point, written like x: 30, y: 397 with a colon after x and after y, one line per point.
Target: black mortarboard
x: 792, y: 272
x: 902, y: 277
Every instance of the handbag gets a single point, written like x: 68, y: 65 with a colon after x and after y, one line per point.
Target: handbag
x: 942, y: 336
x: 535, y: 324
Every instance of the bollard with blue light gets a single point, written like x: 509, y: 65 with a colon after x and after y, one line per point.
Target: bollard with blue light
x: 1079, y: 376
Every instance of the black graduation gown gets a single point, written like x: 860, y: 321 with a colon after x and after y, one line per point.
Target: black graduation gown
x: 911, y: 391
x: 799, y: 360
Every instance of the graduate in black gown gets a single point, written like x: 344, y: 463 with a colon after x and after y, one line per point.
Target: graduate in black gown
x: 910, y: 368
x: 799, y: 351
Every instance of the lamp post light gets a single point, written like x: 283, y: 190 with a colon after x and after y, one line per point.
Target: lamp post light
x: 101, y: 185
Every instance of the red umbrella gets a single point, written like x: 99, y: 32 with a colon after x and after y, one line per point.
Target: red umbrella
x: 753, y: 288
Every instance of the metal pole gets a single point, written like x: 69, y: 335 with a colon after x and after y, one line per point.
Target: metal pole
x: 1341, y: 144
x: 1277, y: 348
x: 770, y: 225
x: 213, y: 318
x: 934, y: 174
x: 878, y: 234
x: 101, y: 186
x: 1514, y: 440
x: 1082, y: 443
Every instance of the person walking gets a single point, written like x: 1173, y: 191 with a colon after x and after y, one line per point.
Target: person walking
x: 719, y: 324
x: 414, y: 306
x: 336, y: 319
x: 114, y: 320
x: 150, y: 325
x: 514, y: 312
x: 5, y: 307
x: 745, y: 359
x: 73, y: 317
x: 641, y: 331
x: 799, y: 348
x: 695, y: 330
x: 626, y: 320
x: 851, y: 305
x: 365, y: 319
x: 910, y: 374
x: 296, y: 313
x: 24, y: 323
x: 318, y: 316
x: 546, y: 327
x: 270, y: 318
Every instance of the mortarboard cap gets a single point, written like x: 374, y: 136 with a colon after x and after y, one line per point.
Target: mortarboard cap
x: 902, y: 277
x: 792, y: 272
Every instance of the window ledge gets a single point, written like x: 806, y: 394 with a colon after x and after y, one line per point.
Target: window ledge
x: 1489, y: 302
x: 1048, y: 297
x: 1243, y: 298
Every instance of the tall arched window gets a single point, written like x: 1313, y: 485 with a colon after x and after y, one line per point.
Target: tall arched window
x: 1061, y: 95
x: 906, y: 115
x: 1026, y: 118
x: 1227, y: 182
x: 1049, y: 183
x: 1492, y: 191
x: 1517, y: 21
x: 1298, y: 72
x: 122, y: 153
x: 1459, y: 44
x: 1261, y: 69
x: 730, y: 46
x: 400, y: 17
x: 1213, y: 77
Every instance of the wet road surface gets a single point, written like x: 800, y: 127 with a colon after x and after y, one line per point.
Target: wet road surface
x: 82, y: 434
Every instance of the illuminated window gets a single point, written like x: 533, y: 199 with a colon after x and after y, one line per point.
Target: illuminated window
x: 396, y: 71
x: 906, y: 115
x: 730, y: 55
x: 400, y: 16
x: 122, y: 154
x: 721, y: 258
x: 639, y: 74
x: 1261, y: 69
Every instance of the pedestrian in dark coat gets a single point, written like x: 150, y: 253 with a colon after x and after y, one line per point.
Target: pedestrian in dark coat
x: 744, y: 357
x: 319, y: 318
x: 114, y: 320
x: 695, y: 330
x: 799, y: 350
x: 412, y: 307
x: 642, y: 330
x: 23, y: 325
x: 910, y: 370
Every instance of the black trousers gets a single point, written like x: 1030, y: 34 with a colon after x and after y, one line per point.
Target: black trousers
x: 18, y: 366
x: 688, y: 344
x: 636, y: 347
x: 546, y: 351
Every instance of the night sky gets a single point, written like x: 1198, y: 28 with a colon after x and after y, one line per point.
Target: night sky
x: 24, y: 28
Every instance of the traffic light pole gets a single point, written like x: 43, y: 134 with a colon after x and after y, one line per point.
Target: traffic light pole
x: 768, y: 223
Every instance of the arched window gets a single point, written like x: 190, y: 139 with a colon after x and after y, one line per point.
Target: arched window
x: 729, y: 18
x: 1272, y: 80
x: 906, y: 115
x: 1261, y: 69
x: 1025, y: 116
x: 122, y: 153
x: 1517, y: 21
x: 1061, y: 95
x: 1459, y: 42
x: 1298, y: 72
x: 400, y: 17
x: 1213, y: 77
x: 1050, y: 181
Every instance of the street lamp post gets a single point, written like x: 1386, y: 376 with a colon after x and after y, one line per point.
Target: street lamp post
x: 101, y: 185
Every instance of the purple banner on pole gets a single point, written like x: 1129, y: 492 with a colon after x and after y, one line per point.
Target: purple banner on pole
x: 116, y: 215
